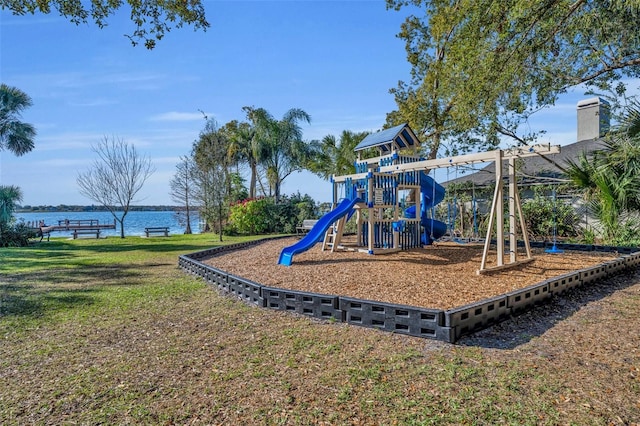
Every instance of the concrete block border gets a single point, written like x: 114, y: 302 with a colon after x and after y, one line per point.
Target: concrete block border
x: 315, y: 305
x: 522, y: 300
x: 436, y: 324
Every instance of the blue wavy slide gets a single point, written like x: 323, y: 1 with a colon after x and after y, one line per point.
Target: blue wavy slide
x: 316, y: 234
x: 432, y: 195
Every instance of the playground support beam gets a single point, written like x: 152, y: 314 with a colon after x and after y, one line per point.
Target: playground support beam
x: 513, y: 243
x: 497, y: 208
x: 356, y: 176
x: 523, y: 225
x: 480, y: 157
x: 495, y: 216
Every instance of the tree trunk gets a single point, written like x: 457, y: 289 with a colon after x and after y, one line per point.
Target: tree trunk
x: 220, y: 211
x: 187, y: 231
x: 252, y: 182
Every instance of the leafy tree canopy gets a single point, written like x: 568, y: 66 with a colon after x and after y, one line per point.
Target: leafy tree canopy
x: 332, y: 156
x: 481, y: 68
x: 151, y: 18
x: 279, y: 143
x: 609, y: 176
x: 15, y: 135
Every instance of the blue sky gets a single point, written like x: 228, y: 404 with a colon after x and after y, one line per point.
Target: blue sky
x: 336, y: 60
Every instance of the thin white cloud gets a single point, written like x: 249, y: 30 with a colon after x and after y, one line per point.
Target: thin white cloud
x: 65, y: 141
x: 321, y: 128
x: 78, y: 163
x: 93, y: 103
x: 137, y: 80
x: 172, y: 161
x: 180, y: 116
x: 78, y: 80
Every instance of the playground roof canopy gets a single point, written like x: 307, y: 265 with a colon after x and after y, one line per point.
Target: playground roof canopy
x: 388, y: 140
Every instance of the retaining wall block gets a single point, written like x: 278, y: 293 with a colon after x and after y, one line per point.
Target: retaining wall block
x: 198, y: 269
x: 246, y: 290
x: 413, y: 321
x: 217, y: 277
x: 208, y: 252
x: 475, y: 316
x: 573, y: 246
x: 447, y: 334
x: 627, y: 250
x: 519, y: 301
x: 593, y: 274
x: 185, y: 263
x: 311, y: 304
x: 562, y: 283
x: 190, y: 267
x: 615, y: 266
x: 632, y: 260
x: 536, y: 244
x: 229, y: 247
x: 605, y: 249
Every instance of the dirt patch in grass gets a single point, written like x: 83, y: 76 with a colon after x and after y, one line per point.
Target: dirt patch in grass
x: 440, y: 277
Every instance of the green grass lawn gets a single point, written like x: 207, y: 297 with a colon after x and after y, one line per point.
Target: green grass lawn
x: 111, y: 331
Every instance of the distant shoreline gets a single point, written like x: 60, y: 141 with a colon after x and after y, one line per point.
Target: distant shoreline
x: 72, y: 208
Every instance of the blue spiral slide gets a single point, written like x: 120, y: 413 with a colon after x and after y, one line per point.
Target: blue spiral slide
x: 316, y: 234
x: 432, y: 194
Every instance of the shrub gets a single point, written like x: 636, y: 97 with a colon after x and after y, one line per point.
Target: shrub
x: 544, y: 214
x: 264, y: 216
x: 17, y: 235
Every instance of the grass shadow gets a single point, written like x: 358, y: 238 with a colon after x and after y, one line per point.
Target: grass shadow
x: 37, y: 293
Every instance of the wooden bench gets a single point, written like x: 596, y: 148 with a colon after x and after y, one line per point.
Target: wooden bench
x: 43, y: 233
x: 157, y: 230
x: 40, y: 233
x: 78, y: 232
x: 307, y: 224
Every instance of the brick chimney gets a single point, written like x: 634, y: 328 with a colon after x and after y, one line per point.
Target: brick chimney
x: 593, y: 118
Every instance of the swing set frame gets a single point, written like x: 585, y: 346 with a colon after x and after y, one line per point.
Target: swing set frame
x: 496, y: 215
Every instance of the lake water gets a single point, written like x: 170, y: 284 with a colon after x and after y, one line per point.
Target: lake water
x: 134, y: 222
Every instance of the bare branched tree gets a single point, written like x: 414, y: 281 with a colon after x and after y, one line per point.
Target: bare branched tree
x: 213, y: 176
x: 183, y: 189
x: 115, y: 177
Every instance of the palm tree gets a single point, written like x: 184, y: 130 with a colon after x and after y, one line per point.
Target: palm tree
x: 610, y: 176
x: 10, y: 196
x: 243, y: 147
x: 279, y: 142
x: 333, y: 157
x: 15, y: 136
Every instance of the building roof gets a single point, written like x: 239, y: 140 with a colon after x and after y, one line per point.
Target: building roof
x: 388, y: 140
x: 533, y: 169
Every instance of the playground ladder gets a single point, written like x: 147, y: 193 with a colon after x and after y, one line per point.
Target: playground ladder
x: 333, y: 235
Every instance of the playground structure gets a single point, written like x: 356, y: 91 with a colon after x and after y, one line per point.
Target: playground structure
x: 387, y: 192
